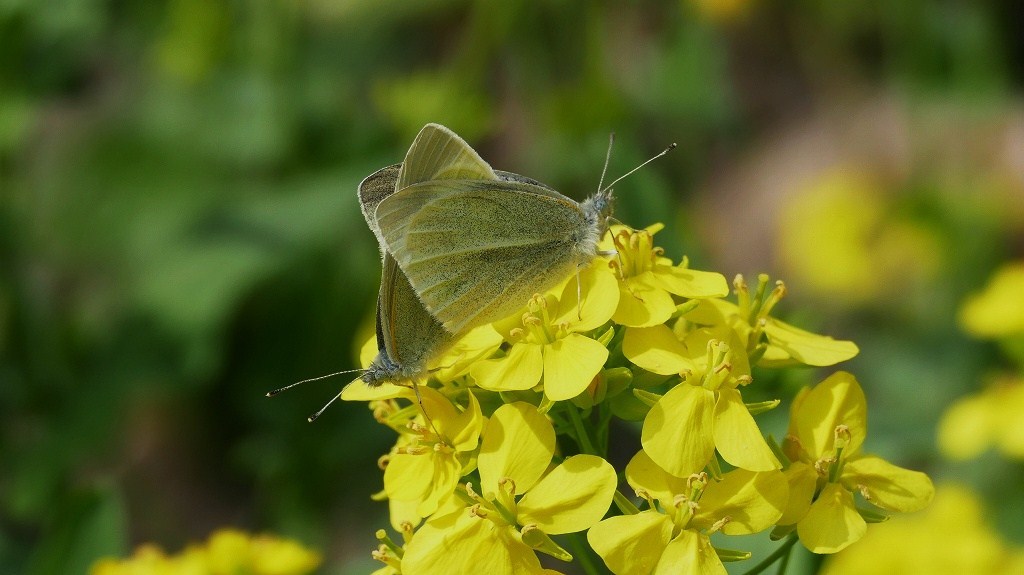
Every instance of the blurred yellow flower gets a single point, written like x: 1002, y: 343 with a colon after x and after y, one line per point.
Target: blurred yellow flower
x: 548, y: 341
x: 840, y: 237
x: 673, y: 536
x: 523, y: 501
x: 228, y: 552
x: 982, y: 420
x: 827, y: 426
x: 997, y: 310
x: 950, y: 538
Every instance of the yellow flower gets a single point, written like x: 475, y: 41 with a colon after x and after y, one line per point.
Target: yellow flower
x: 992, y: 417
x: 647, y: 279
x: 827, y: 426
x: 998, y: 310
x: 548, y: 341
x: 427, y: 463
x: 950, y: 538
x: 705, y: 411
x: 672, y: 536
x: 774, y: 342
x: 522, y: 503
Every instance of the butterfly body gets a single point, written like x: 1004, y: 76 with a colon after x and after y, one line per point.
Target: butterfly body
x: 463, y: 245
x: 476, y: 249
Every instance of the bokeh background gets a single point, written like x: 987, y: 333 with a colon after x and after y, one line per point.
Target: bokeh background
x: 179, y: 231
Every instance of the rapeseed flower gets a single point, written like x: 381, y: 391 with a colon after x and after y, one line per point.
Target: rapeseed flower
x: 481, y: 478
x: 548, y: 342
x: 705, y: 412
x: 827, y: 427
x: 648, y: 280
x: 522, y: 501
x: 672, y: 536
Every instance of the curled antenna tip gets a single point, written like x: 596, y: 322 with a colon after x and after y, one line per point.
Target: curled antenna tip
x: 673, y: 145
x: 313, y: 417
x: 269, y: 394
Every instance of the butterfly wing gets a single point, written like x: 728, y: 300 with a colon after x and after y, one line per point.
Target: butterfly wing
x: 372, y: 190
x: 438, y: 153
x: 475, y: 250
x: 406, y: 331
x: 407, y: 334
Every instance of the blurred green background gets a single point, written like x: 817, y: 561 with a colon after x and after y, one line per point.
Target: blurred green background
x: 179, y: 231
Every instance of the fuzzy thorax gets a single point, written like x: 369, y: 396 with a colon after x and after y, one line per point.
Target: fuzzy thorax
x: 596, y: 210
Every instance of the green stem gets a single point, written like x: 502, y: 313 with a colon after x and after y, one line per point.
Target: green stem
x: 782, y: 551
x: 581, y: 430
x: 585, y: 555
x: 624, y: 504
x: 784, y: 564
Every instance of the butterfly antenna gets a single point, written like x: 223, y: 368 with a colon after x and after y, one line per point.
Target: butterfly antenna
x: 321, y: 411
x: 423, y: 410
x: 287, y: 387
x: 607, y: 158
x: 579, y: 296
x: 620, y: 178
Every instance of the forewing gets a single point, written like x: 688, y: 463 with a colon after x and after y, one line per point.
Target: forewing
x: 475, y: 250
x: 438, y: 153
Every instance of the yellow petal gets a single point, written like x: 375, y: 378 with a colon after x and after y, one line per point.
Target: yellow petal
x: 572, y: 497
x: 570, y: 364
x: 643, y: 473
x: 888, y: 486
x: 690, y: 283
x: 832, y: 523
x: 461, y: 543
x: 691, y: 553
x: 677, y: 432
x: 737, y: 436
x: 714, y: 311
x: 368, y: 351
x: 752, y: 501
x: 517, y: 443
x: 802, y: 480
x: 809, y: 348
x: 480, y: 343
x: 631, y: 544
x: 519, y: 370
x: 427, y: 478
x: 642, y: 305
x: 403, y: 511
x: 656, y: 349
x: 357, y: 390
x: 463, y: 431
x: 838, y: 400
x: 600, y: 291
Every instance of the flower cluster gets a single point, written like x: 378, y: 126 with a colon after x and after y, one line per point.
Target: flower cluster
x: 503, y: 452
x: 228, y: 552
